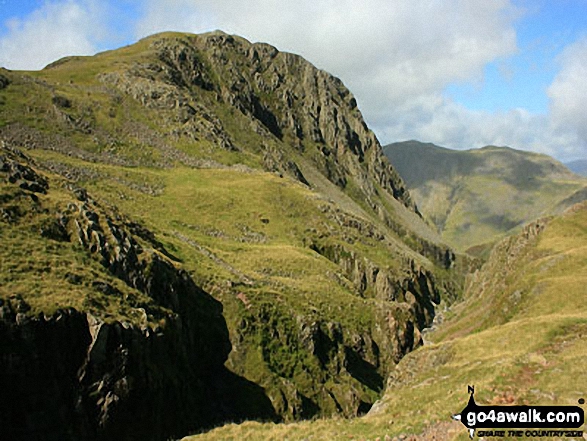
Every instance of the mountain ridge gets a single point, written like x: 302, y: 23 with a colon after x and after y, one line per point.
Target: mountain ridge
x: 255, y: 173
x: 475, y: 196
x: 579, y: 166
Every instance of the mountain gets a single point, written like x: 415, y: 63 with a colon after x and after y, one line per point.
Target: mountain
x: 198, y: 229
x: 518, y: 338
x: 475, y: 197
x: 579, y: 166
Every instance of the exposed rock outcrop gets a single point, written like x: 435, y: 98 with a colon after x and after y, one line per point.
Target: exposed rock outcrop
x: 283, y: 95
x: 77, y: 375
x: 415, y: 287
x: 316, y: 366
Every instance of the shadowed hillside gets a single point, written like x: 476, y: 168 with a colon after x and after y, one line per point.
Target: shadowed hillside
x: 474, y: 197
x: 579, y: 166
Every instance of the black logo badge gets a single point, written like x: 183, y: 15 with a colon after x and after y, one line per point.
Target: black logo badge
x: 475, y: 417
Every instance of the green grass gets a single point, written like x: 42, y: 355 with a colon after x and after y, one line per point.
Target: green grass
x: 534, y: 356
x: 245, y: 237
x: 52, y: 274
x: 255, y: 225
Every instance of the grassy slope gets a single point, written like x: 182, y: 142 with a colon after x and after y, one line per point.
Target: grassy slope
x: 52, y: 273
x: 529, y: 349
x: 478, y: 196
x: 248, y: 228
x: 243, y: 236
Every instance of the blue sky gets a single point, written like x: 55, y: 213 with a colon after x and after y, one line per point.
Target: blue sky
x: 459, y: 73
x: 521, y: 80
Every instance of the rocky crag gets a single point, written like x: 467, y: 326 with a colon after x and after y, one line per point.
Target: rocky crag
x: 71, y: 374
x: 217, y: 231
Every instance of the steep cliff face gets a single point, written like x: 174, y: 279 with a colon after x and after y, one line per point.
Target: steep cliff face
x: 292, y: 99
x: 319, y: 364
x: 282, y: 96
x: 414, y: 285
x: 212, y: 87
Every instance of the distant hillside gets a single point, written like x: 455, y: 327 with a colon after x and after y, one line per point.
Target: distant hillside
x: 475, y: 196
x: 579, y: 166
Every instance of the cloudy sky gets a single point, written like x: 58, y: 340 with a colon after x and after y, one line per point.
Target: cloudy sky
x: 459, y: 73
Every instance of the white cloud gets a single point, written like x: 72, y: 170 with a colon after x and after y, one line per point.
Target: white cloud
x: 568, y: 95
x: 387, y: 52
x: 561, y: 133
x: 442, y: 121
x: 170, y: 15
x: 55, y: 30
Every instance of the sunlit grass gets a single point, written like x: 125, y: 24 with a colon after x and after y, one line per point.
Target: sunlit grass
x: 534, y: 357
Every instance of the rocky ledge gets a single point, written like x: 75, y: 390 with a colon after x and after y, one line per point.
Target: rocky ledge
x: 74, y: 374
